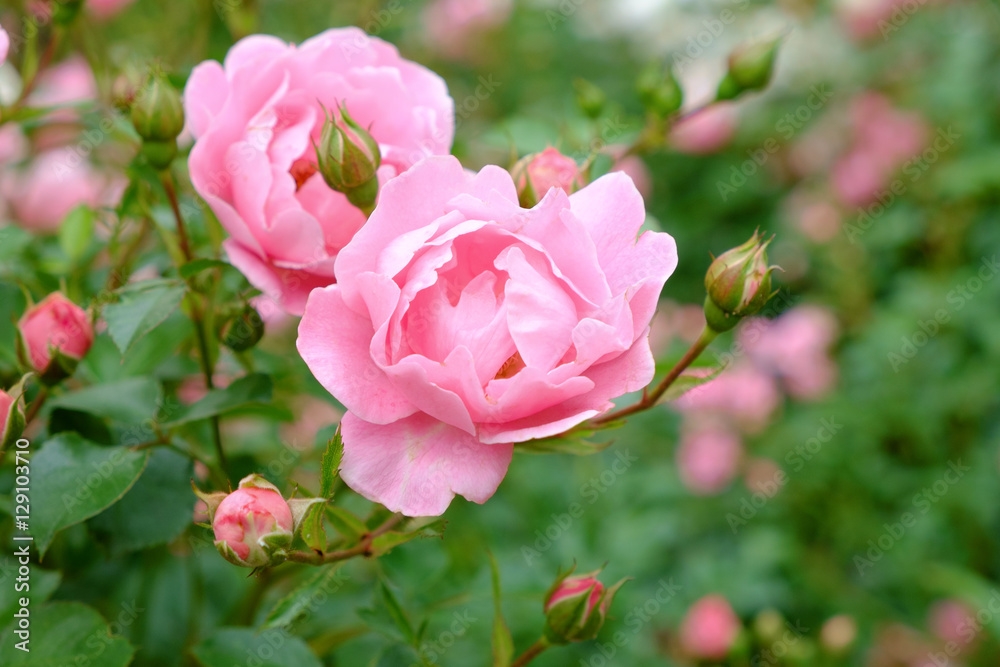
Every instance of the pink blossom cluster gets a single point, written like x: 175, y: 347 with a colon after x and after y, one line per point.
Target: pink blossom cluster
x: 787, y: 356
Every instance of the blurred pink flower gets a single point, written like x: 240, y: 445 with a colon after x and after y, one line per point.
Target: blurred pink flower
x: 4, y: 45
x: 453, y: 26
x: 708, y: 458
x: 105, y: 9
x: 795, y: 347
x: 710, y: 628
x: 449, y: 338
x: 743, y: 394
x: 953, y: 621
x: 255, y: 117
x: 707, y: 131
x: 817, y: 219
x: 634, y: 167
x: 313, y: 414
x: 68, y: 82
x: 763, y: 476
x: 52, y: 185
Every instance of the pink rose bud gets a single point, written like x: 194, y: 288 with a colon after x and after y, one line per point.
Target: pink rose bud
x: 11, y: 420
x: 710, y: 628
x: 536, y: 174
x: 750, y: 68
x: 349, y: 159
x: 738, y: 284
x: 576, y: 607
x: 53, y: 336
x: 253, y: 525
x: 158, y: 117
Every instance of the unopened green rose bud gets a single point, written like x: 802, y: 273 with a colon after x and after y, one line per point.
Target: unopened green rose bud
x: 576, y: 607
x: 750, y: 68
x: 738, y: 284
x: 242, y: 331
x: 158, y: 118
x: 590, y: 98
x: 659, y: 90
x: 349, y: 158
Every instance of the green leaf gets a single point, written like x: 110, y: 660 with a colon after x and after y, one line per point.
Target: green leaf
x: 503, y: 643
x: 331, y: 464
x: 130, y: 401
x: 396, y: 612
x: 304, y: 599
x: 573, y: 442
x: 156, y: 510
x: 43, y: 585
x: 76, y: 232
x: 397, y: 655
x: 386, y: 542
x: 270, y: 648
x: 73, y: 479
x: 312, y: 531
x: 345, y: 523
x: 252, y: 392
x: 690, y: 380
x: 66, y: 633
x: 142, y: 308
x: 195, y: 267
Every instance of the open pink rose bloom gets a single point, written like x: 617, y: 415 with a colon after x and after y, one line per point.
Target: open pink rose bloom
x: 255, y: 118
x: 461, y: 323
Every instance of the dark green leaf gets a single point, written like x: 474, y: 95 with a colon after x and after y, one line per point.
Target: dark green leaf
x: 396, y: 612
x: 43, y: 584
x: 197, y: 266
x: 312, y: 531
x: 131, y: 401
x: 270, y: 648
x: 66, y: 633
x: 250, y: 392
x: 141, y: 309
x: 331, y: 464
x: 304, y: 599
x: 73, y: 479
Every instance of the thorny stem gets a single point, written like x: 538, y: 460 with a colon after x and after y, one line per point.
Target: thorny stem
x: 363, y: 548
x: 650, y: 398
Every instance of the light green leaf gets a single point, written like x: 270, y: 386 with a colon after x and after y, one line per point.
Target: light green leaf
x: 130, y: 401
x: 66, y: 633
x: 142, y: 308
x: 73, y: 479
x: 331, y: 464
x: 76, y: 232
x: 396, y: 612
x: 304, y: 599
x: 312, y: 531
x: 270, y: 648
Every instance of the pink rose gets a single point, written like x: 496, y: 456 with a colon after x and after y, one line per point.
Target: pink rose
x: 255, y: 118
x: 709, y: 628
x: 105, y: 9
x: 453, y: 26
x: 11, y: 420
x: 708, y: 458
x: 4, y: 45
x: 743, y: 394
x: 54, y: 325
x: 56, y: 182
x: 536, y: 174
x: 247, y: 515
x: 461, y: 323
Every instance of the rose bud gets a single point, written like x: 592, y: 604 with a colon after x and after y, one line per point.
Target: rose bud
x: 53, y: 336
x: 710, y: 628
x: 659, y: 91
x: 349, y: 158
x: 11, y: 420
x: 242, y: 331
x: 254, y: 525
x: 576, y: 607
x: 536, y: 174
x: 738, y: 284
x: 750, y: 68
x: 158, y: 117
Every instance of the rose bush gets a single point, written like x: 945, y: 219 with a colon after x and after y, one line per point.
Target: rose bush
x: 255, y: 118
x: 462, y: 323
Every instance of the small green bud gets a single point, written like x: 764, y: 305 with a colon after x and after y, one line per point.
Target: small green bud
x: 738, y: 284
x: 751, y: 67
x: 590, y: 98
x: 659, y: 90
x: 158, y: 118
x: 576, y: 607
x: 349, y: 158
x: 242, y: 331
